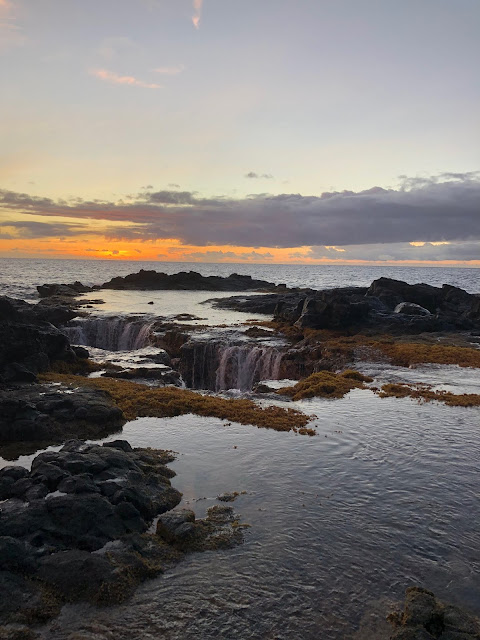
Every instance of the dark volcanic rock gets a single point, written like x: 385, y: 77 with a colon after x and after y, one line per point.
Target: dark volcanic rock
x: 28, y: 341
x: 389, y: 306
x: 84, y: 537
x: 191, y: 280
x: 41, y: 413
x: 426, y: 617
x: 63, y: 290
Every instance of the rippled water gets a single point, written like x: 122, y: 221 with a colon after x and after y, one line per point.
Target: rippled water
x: 19, y: 277
x: 385, y: 496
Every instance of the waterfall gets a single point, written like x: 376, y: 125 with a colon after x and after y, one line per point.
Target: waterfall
x: 112, y: 334
x: 241, y: 367
x: 216, y: 365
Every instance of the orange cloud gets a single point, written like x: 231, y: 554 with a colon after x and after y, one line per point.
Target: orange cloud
x: 172, y: 250
x: 115, y: 78
x: 197, y: 8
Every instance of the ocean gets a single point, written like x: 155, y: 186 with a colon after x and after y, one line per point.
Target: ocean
x: 20, y: 277
x: 385, y: 496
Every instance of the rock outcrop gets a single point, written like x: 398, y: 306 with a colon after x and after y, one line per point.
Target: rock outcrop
x: 389, y: 306
x: 75, y: 528
x: 29, y: 342
x: 31, y: 415
x: 425, y: 618
x: 63, y: 290
x: 188, y: 280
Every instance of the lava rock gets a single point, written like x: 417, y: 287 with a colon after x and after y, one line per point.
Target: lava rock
x: 426, y: 617
x: 191, y: 280
x: 40, y: 414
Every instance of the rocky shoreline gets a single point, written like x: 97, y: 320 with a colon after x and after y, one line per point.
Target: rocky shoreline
x: 88, y: 509
x: 76, y: 528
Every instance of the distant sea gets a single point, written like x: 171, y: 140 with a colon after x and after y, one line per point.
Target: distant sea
x: 20, y: 277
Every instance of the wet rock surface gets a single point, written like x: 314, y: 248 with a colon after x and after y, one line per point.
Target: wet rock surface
x: 424, y: 617
x: 29, y: 342
x: 74, y: 528
x: 388, y: 305
x: 34, y: 414
x: 63, y: 290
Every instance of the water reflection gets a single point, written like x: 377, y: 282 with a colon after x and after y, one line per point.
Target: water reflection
x: 385, y: 496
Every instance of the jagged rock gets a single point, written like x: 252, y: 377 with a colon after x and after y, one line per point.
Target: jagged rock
x: 191, y: 280
x: 63, y: 290
x: 28, y: 341
x: 79, y: 540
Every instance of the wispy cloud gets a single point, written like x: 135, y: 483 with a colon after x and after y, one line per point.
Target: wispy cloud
x: 10, y: 33
x: 115, y: 78
x: 170, y: 71
x: 197, y: 13
x: 254, y: 175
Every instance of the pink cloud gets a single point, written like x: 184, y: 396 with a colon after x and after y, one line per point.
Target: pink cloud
x: 115, y: 78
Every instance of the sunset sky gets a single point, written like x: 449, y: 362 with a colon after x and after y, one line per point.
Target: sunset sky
x: 241, y: 131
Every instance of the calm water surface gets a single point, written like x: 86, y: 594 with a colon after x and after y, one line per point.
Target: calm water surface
x: 384, y: 497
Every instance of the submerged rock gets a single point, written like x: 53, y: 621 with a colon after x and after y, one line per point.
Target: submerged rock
x: 425, y: 617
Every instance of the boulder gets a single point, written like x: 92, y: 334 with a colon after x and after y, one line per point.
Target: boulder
x: 424, y: 617
x: 411, y: 309
x: 41, y: 414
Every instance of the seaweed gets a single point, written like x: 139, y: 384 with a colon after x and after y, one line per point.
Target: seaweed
x: 137, y: 400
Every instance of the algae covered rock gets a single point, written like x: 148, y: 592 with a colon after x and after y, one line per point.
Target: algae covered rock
x: 425, y: 617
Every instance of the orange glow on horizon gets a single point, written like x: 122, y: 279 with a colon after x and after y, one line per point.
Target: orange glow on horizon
x: 173, y: 251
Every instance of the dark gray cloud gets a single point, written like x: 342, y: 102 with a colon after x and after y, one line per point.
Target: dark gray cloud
x: 30, y: 229
x: 254, y: 175
x: 458, y: 251
x: 446, y: 208
x: 215, y: 256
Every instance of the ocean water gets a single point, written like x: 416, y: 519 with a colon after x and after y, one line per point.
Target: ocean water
x: 20, y: 277
x: 385, y: 496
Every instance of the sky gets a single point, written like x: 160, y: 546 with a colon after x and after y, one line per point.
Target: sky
x: 275, y: 131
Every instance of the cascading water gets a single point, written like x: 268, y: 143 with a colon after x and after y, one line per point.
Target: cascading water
x: 112, y: 334
x: 217, y: 365
x: 241, y: 367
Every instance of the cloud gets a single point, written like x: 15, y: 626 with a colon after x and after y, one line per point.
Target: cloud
x: 416, y: 252
x: 30, y: 229
x: 221, y: 256
x: 252, y: 174
x: 197, y: 13
x: 170, y: 71
x: 10, y: 33
x: 115, y: 78
x: 440, y: 209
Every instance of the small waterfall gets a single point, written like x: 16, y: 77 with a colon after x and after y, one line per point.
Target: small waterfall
x: 112, y: 334
x: 198, y: 364
x: 241, y: 367
x: 216, y: 365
